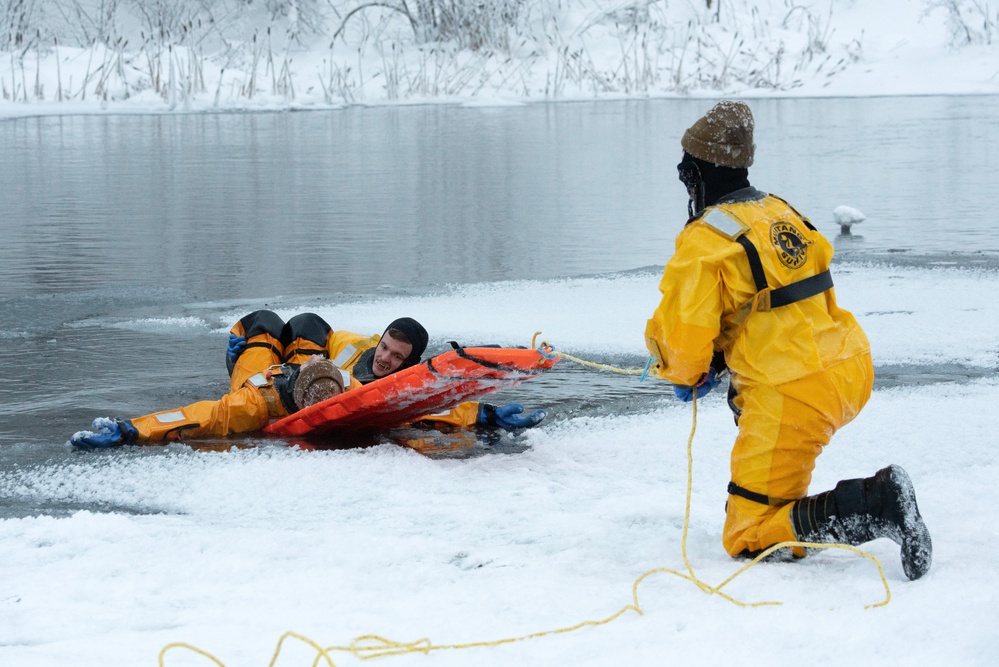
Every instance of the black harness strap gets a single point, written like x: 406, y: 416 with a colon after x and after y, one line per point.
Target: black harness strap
x: 736, y: 490
x: 273, y: 349
x: 782, y: 296
x: 802, y: 289
x: 755, y: 265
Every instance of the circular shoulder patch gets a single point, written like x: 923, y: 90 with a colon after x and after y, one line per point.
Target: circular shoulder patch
x: 790, y: 244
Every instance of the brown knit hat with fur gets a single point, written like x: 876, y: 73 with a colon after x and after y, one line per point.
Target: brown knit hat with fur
x: 318, y: 379
x: 724, y: 136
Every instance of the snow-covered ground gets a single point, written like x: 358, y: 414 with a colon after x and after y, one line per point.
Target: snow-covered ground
x: 228, y: 551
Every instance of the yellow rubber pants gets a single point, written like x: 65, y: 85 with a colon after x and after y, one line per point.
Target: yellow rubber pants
x: 782, y: 430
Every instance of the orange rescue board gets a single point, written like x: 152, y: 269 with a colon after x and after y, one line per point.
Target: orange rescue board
x: 430, y: 387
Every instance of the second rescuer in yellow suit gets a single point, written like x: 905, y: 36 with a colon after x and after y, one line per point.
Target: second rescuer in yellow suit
x: 748, y: 290
x: 272, y: 348
x: 277, y: 368
x: 265, y: 371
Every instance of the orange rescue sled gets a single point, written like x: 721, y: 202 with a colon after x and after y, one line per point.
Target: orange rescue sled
x: 430, y: 387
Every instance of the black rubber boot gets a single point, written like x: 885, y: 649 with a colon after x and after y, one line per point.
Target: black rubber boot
x: 861, y: 510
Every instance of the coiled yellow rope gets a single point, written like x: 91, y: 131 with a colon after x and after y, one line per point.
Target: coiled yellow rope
x: 375, y: 646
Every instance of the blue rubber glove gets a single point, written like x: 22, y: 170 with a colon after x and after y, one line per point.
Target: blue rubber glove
x: 508, y: 416
x: 686, y: 392
x: 236, y: 346
x: 106, y: 432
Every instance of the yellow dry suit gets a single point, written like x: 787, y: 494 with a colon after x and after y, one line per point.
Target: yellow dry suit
x: 258, y: 389
x: 750, y: 279
x: 309, y: 335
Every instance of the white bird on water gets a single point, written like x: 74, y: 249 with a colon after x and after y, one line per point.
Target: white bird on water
x: 845, y: 217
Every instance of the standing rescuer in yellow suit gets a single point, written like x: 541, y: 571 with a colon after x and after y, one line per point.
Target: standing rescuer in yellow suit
x: 748, y: 291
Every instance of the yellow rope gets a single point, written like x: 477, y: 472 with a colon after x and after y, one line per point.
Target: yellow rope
x: 189, y: 647
x: 375, y: 646
x: 547, y: 348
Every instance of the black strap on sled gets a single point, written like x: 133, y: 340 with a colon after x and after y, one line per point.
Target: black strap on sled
x: 460, y: 351
x: 482, y: 362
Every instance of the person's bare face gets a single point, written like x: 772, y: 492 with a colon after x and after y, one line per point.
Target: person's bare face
x: 389, y: 356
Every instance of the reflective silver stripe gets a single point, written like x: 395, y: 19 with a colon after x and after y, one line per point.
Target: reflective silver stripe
x: 259, y: 380
x: 724, y: 223
x: 345, y: 354
x: 170, y: 417
x: 346, y: 377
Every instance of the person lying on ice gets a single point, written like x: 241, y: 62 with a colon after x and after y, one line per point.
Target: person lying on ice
x: 748, y: 290
x: 278, y: 368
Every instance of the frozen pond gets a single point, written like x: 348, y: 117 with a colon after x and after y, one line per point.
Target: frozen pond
x: 131, y: 243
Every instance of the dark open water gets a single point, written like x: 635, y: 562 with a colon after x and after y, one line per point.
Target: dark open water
x: 193, y: 215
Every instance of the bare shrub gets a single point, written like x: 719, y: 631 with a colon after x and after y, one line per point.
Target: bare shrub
x: 470, y: 24
x: 85, y: 24
x: 21, y: 23
x: 970, y: 21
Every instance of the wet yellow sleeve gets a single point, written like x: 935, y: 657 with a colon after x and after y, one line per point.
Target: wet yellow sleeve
x: 241, y: 411
x: 681, y: 333
x: 465, y: 414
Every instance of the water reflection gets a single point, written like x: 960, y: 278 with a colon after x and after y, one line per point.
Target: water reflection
x: 251, y: 205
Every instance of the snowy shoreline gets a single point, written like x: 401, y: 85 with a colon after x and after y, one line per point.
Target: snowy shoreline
x: 40, y: 110
x: 515, y: 53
